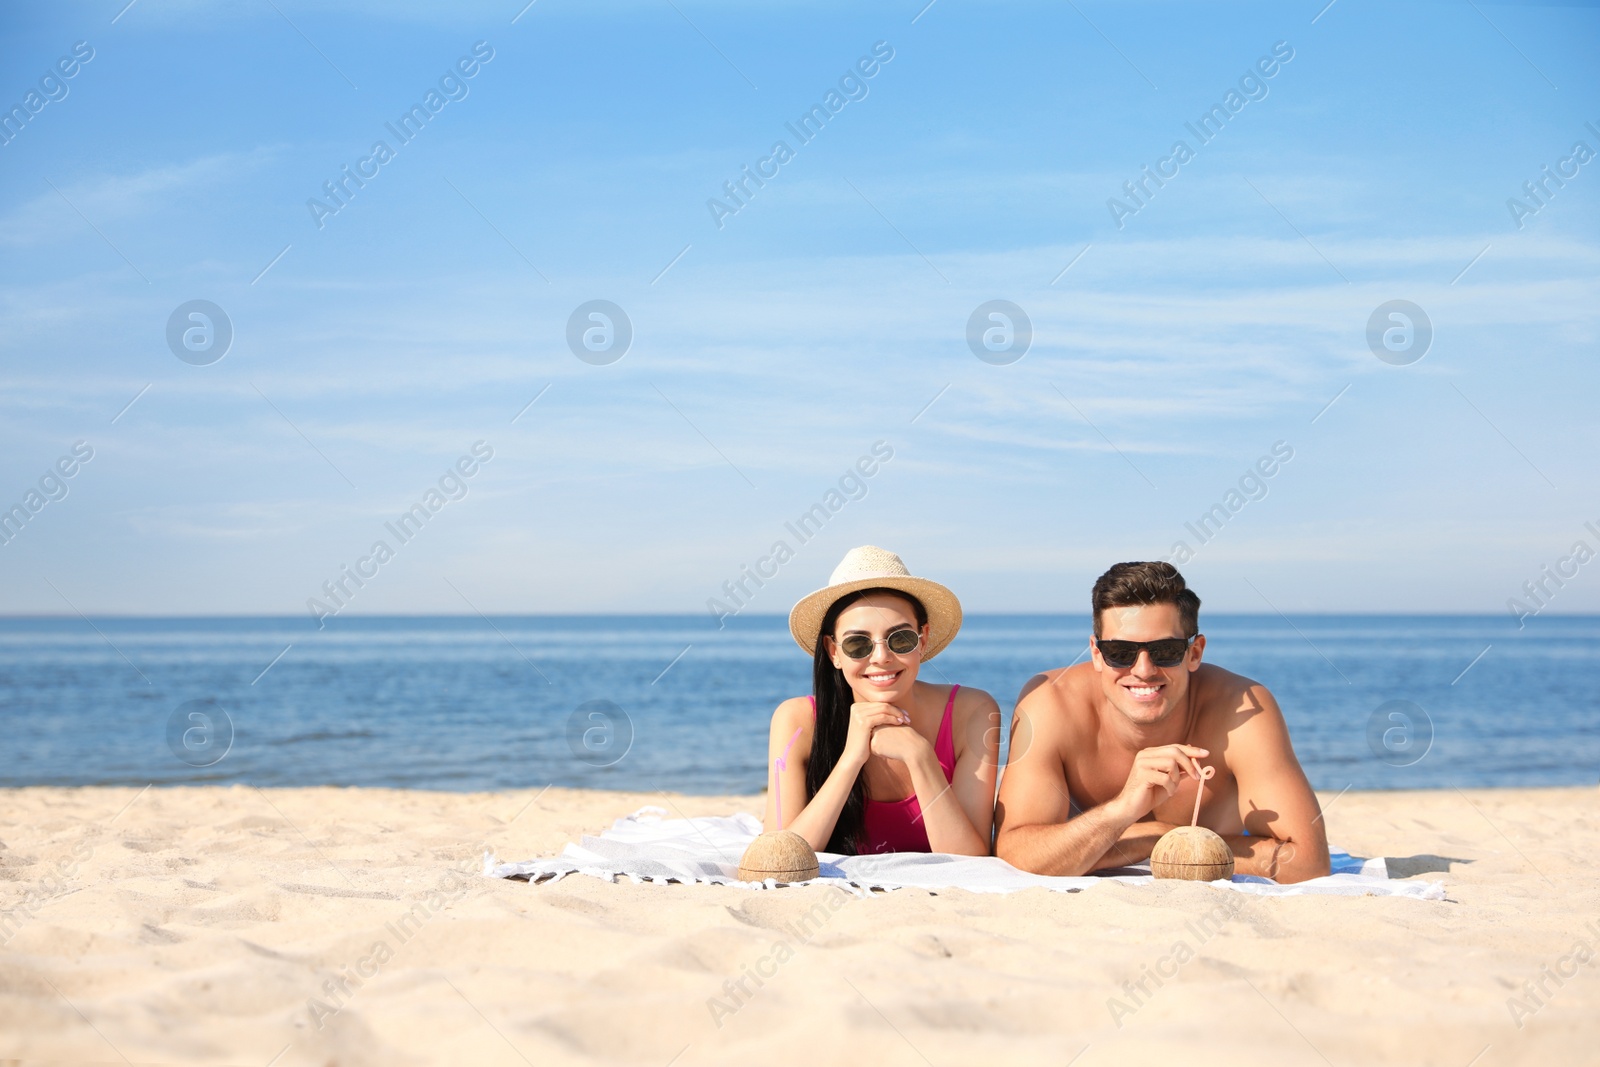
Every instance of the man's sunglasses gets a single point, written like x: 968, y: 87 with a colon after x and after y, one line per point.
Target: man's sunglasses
x: 1168, y: 652
x: 900, y: 642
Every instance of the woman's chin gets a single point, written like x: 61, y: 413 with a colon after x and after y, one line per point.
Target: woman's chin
x: 892, y: 694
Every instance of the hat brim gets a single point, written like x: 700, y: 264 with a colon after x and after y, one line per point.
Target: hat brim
x: 944, y: 610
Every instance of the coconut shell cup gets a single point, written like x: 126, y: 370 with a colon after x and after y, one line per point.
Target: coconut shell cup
x: 781, y: 855
x: 1192, y: 853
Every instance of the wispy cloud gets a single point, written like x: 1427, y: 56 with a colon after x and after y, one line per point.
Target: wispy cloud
x: 138, y: 194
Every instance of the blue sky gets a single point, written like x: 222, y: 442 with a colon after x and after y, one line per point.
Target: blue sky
x: 770, y: 353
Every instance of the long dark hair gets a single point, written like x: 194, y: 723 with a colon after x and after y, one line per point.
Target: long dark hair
x: 834, y: 698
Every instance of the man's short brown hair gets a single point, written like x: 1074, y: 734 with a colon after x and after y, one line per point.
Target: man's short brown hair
x: 1129, y: 584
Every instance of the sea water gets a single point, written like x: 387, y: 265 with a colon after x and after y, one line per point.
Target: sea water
x: 673, y: 703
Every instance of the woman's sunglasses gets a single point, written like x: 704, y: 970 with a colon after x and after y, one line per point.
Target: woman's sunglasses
x: 900, y: 642
x: 1168, y: 652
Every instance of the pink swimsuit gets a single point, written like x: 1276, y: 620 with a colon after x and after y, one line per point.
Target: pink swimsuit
x: 896, y: 825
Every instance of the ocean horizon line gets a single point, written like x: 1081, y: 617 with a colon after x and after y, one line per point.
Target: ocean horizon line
x: 469, y: 702
x: 346, y: 618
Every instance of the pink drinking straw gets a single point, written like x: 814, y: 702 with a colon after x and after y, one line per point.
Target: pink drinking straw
x: 1202, y: 773
x: 782, y: 764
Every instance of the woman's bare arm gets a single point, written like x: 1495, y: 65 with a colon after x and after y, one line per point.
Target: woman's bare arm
x: 959, y: 815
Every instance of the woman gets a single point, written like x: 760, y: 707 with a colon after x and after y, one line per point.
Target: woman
x: 876, y: 760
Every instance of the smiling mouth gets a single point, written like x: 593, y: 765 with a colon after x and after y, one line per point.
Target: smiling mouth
x: 1143, y: 692
x: 883, y: 678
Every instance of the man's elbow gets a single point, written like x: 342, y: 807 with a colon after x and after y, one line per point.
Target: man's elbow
x: 1005, y: 847
x: 1021, y: 848
x: 1297, y: 864
x: 1011, y: 845
x: 1321, y: 868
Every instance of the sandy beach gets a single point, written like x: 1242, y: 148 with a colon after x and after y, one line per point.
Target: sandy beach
x: 350, y: 926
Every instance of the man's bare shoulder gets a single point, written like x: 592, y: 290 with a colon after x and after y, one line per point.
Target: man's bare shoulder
x: 1059, y: 702
x: 1231, y: 700
x: 1057, y: 688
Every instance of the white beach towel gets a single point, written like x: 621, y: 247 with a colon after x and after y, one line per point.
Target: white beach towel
x: 646, y: 847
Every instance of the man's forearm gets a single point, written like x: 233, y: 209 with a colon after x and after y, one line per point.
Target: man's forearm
x: 1074, y: 847
x: 1271, y: 857
x: 1134, y: 846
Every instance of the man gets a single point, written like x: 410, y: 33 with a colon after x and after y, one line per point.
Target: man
x: 1106, y: 756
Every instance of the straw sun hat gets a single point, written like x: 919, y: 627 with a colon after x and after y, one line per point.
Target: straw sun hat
x: 870, y: 567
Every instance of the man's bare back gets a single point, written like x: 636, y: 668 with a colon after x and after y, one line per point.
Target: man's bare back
x: 1103, y: 762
